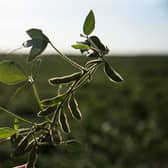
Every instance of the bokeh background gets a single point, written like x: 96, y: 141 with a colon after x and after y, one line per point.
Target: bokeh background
x: 124, y: 125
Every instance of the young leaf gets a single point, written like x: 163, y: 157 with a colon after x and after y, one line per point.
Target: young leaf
x: 65, y: 79
x: 64, y: 122
x: 112, y: 74
x: 11, y: 73
x: 89, y: 23
x: 16, y: 124
x: 53, y: 101
x: 80, y: 46
x: 74, y: 108
x: 6, y: 132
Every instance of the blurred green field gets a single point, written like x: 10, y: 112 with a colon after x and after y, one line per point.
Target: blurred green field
x: 124, y: 125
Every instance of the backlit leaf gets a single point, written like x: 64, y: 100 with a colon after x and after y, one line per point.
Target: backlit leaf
x: 80, y: 46
x: 89, y: 23
x: 112, y: 74
x: 38, y: 42
x: 11, y: 73
x: 6, y: 132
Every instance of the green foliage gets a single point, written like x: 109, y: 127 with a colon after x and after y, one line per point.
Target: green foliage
x: 89, y: 23
x: 6, y: 132
x: 38, y: 43
x: 49, y: 131
x: 11, y: 73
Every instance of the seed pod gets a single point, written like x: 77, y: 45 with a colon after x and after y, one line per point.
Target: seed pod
x: 74, y: 108
x: 112, y: 74
x: 97, y: 43
x: 46, y: 111
x: 33, y: 157
x: 53, y: 101
x: 95, y: 61
x: 21, y: 146
x: 64, y: 122
x: 29, y: 146
x: 65, y: 79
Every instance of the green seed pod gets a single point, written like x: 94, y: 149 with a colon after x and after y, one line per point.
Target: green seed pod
x: 65, y: 79
x: 33, y: 157
x: 112, y: 74
x: 74, y: 108
x: 53, y: 101
x: 64, y: 122
x: 95, y: 61
x: 29, y: 146
x: 46, y: 111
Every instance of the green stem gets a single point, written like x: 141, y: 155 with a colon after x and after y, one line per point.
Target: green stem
x: 76, y: 65
x: 14, y: 115
x: 31, y: 80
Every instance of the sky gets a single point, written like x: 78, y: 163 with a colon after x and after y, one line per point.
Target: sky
x: 125, y: 26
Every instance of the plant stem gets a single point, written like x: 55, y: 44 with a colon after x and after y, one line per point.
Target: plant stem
x: 14, y: 115
x: 31, y: 80
x: 73, y: 63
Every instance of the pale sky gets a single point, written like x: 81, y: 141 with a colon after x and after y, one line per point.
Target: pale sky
x: 125, y: 26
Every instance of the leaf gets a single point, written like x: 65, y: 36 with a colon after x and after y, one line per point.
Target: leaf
x: 74, y: 108
x: 16, y: 124
x: 80, y: 46
x: 89, y: 23
x: 39, y: 43
x: 46, y: 111
x: 64, y: 122
x: 53, y: 101
x: 6, y: 132
x: 32, y: 157
x: 65, y: 79
x: 11, y: 73
x: 112, y: 74
x: 36, y: 34
x: 37, y: 49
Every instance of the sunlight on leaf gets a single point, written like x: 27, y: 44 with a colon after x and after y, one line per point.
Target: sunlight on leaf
x: 11, y: 73
x: 89, y: 23
x: 6, y: 132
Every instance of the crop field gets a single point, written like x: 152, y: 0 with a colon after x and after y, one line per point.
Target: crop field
x: 124, y: 125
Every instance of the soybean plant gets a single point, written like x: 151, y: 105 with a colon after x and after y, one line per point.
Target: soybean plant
x: 52, y: 110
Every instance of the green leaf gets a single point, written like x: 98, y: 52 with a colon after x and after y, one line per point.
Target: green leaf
x: 11, y: 73
x: 53, y: 101
x: 6, y: 132
x: 36, y: 34
x: 16, y: 124
x: 80, y: 46
x: 37, y: 50
x: 65, y: 79
x: 64, y: 122
x: 39, y: 43
x: 89, y: 23
x: 74, y: 108
x: 112, y: 74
